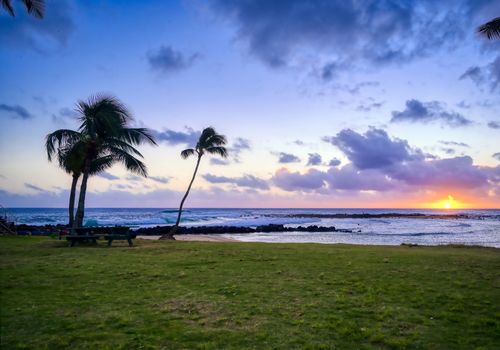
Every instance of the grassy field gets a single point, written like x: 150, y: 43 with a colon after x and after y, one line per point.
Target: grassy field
x: 195, y: 295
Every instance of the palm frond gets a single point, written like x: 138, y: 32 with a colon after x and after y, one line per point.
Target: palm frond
x: 491, y: 29
x: 71, y: 157
x: 187, y: 153
x: 101, y: 164
x: 103, y: 116
x: 35, y: 7
x: 217, y: 140
x: 60, y: 138
x: 112, y: 143
x: 219, y: 150
x: 136, y: 136
x: 7, y: 6
x: 131, y: 163
x: 210, y: 138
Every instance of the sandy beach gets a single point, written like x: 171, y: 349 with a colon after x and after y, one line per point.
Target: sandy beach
x: 200, y: 238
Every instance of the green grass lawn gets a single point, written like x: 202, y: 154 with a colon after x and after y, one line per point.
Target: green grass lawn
x: 195, y: 295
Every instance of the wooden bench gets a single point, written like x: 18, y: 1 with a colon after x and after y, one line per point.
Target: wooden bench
x: 92, y: 234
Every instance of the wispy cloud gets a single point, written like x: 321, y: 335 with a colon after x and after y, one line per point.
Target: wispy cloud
x: 485, y: 76
x: 454, y: 143
x: 167, y: 60
x: 172, y: 137
x: 249, y: 181
x: 425, y: 112
x: 34, y: 187
x: 160, y: 179
x: 15, y: 111
x: 494, y: 125
x: 108, y: 176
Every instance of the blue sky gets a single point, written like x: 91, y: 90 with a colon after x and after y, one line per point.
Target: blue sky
x: 324, y: 103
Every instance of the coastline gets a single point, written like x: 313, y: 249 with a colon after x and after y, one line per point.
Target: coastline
x: 193, y: 238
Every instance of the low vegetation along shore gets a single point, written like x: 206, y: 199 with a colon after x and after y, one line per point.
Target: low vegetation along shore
x: 195, y: 295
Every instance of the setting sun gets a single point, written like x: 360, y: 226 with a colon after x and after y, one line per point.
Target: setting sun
x: 449, y: 203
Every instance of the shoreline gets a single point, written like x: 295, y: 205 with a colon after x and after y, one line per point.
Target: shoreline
x: 192, y: 238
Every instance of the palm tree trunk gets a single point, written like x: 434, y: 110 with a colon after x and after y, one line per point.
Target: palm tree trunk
x: 80, y: 212
x: 71, y: 206
x: 170, y: 235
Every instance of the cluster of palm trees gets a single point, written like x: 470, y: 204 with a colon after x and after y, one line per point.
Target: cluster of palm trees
x: 105, y: 138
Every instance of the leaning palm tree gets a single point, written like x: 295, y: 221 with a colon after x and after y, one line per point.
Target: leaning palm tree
x: 71, y: 155
x: 70, y: 158
x: 35, y: 8
x: 209, y: 142
x: 105, y: 132
x: 491, y: 29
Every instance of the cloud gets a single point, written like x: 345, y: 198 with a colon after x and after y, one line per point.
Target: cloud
x: 351, y: 179
x: 312, y: 180
x: 33, y: 187
x: 159, y: 179
x: 457, y: 172
x: 367, y: 107
x: 453, y: 143
x: 134, y: 178
x: 239, y: 145
x: 374, y: 149
x: 340, y: 33
x: 108, y: 176
x: 63, y: 114
x: 496, y: 156
x: 299, y: 142
x: 314, y: 159
x: 53, y: 31
x: 334, y: 162
x: 189, y: 137
x: 451, y: 174
x: 488, y: 75
x: 287, y: 158
x: 243, y: 181
x: 424, y: 112
x: 494, y: 125
x: 16, y: 111
x: 448, y: 150
x: 218, y: 161
x: 357, y: 88
x: 168, y: 60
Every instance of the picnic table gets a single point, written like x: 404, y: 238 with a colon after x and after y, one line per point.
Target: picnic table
x: 92, y: 234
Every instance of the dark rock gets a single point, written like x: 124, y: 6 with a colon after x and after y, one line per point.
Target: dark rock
x: 270, y: 228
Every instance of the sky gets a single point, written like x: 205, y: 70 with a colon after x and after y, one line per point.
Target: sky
x: 341, y: 104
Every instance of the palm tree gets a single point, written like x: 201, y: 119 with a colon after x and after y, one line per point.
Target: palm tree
x: 35, y: 8
x: 491, y: 29
x: 105, y: 132
x: 102, y: 139
x: 70, y: 156
x: 209, y: 142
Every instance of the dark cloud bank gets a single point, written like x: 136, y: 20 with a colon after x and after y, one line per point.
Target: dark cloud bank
x: 344, y: 33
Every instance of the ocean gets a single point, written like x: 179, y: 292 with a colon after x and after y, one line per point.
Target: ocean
x: 475, y: 227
